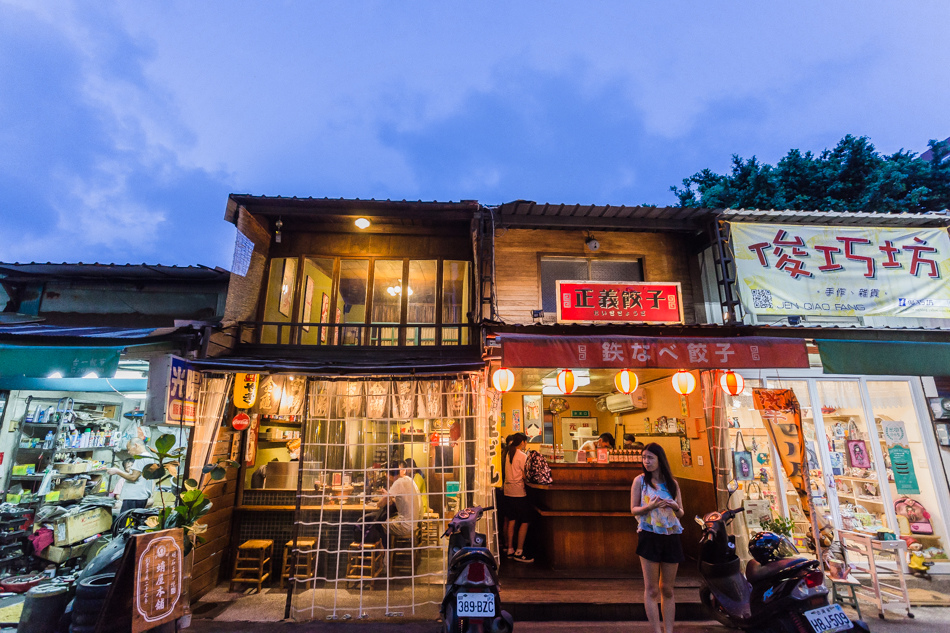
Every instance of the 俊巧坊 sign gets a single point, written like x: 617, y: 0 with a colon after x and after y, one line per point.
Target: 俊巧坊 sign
x: 618, y: 302
x: 842, y: 271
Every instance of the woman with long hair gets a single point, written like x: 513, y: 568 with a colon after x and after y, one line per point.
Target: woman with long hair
x: 656, y: 501
x: 517, y: 507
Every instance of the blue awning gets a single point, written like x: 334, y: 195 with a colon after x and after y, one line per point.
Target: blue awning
x: 40, y: 361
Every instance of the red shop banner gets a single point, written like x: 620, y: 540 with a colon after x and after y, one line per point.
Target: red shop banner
x: 618, y: 302
x: 751, y: 352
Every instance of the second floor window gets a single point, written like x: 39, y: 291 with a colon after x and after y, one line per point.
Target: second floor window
x: 554, y: 269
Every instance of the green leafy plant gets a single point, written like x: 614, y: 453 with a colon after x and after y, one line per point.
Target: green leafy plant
x: 190, y: 501
x: 779, y: 525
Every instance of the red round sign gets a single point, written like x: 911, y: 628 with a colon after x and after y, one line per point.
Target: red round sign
x: 241, y: 421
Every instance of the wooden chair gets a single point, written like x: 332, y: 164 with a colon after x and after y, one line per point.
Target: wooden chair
x: 306, y: 560
x: 402, y: 554
x: 249, y: 564
x: 364, y: 562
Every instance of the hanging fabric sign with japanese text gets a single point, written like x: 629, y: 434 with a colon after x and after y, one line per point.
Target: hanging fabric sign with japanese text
x: 842, y: 271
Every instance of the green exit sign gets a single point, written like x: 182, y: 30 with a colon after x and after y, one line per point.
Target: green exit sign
x: 580, y: 414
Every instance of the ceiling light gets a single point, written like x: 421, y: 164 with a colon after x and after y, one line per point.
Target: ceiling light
x: 362, y: 223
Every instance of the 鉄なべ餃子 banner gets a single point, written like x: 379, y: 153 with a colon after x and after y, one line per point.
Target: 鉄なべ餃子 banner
x: 842, y: 271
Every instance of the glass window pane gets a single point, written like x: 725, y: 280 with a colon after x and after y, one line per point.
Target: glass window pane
x: 351, y: 300
x: 422, y: 290
x: 315, y: 303
x: 387, y: 301
x: 862, y: 506
x: 456, y: 292
x: 278, y: 306
x: 908, y: 471
x: 612, y: 270
x: 554, y: 269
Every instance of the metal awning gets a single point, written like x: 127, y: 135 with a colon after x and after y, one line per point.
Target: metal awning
x: 39, y: 361
x: 893, y: 358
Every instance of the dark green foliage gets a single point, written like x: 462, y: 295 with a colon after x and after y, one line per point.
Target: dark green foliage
x: 850, y: 177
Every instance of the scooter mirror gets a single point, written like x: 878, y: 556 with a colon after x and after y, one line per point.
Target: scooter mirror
x: 732, y: 486
x: 699, y: 520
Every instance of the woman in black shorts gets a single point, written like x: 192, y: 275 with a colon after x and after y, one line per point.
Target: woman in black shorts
x: 518, y: 509
x: 656, y: 502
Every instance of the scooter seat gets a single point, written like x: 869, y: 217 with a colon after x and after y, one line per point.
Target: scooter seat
x: 756, y: 572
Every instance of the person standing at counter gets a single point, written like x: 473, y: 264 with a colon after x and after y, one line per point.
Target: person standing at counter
x: 604, y: 440
x: 517, y: 507
x: 656, y: 501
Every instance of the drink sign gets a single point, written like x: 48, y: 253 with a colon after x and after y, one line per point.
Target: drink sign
x: 240, y: 422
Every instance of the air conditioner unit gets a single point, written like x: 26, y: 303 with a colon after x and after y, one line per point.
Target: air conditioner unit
x: 624, y: 403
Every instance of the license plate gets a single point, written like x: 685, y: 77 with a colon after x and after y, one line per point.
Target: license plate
x: 475, y: 605
x: 828, y: 619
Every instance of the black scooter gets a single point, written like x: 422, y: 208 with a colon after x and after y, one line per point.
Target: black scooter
x: 471, y: 601
x: 787, y: 595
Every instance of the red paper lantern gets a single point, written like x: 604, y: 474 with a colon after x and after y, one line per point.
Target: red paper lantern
x: 565, y: 382
x: 683, y: 382
x: 732, y: 383
x: 503, y: 379
x: 626, y: 381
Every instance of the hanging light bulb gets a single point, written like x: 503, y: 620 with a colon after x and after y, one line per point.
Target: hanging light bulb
x: 626, y: 381
x: 565, y: 382
x: 732, y: 383
x: 279, y: 223
x: 362, y: 223
x: 503, y: 379
x: 683, y: 382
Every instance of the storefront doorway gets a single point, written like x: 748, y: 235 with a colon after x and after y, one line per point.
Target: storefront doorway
x: 871, y: 458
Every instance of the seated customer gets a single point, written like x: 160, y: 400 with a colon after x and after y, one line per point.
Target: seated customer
x: 604, y: 440
x: 400, y: 508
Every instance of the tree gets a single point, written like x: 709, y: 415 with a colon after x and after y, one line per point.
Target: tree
x: 850, y: 177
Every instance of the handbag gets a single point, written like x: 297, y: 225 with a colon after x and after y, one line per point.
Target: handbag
x: 858, y: 455
x: 916, y: 514
x: 756, y: 507
x: 741, y: 460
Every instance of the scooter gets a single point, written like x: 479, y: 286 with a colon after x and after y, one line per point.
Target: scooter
x: 784, y: 595
x: 471, y: 601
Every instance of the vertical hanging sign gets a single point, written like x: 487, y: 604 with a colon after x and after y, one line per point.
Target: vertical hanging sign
x: 182, y: 405
x: 245, y: 390
x: 902, y: 462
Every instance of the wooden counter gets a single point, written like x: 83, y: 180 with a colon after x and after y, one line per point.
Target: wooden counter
x: 585, y: 516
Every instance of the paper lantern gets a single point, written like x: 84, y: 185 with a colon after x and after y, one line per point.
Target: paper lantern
x: 732, y: 383
x: 683, y: 382
x: 503, y: 379
x: 565, y: 382
x: 626, y: 381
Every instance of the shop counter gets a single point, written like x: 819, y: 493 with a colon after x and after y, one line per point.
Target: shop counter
x: 585, y: 519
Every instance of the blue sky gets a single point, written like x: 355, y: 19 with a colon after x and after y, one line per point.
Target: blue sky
x: 124, y: 126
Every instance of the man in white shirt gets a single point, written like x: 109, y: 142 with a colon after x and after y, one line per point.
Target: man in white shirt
x: 404, y: 495
x: 136, y: 489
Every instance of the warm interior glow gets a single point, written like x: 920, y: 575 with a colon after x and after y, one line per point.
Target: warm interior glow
x: 626, y: 381
x: 683, y: 382
x: 503, y: 379
x: 362, y: 223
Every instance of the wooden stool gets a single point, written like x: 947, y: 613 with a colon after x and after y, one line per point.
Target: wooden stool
x: 402, y: 556
x: 838, y: 595
x: 306, y: 561
x: 429, y: 529
x: 249, y: 563
x: 364, y: 561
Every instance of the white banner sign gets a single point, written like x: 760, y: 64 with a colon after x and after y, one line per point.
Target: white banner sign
x: 842, y: 271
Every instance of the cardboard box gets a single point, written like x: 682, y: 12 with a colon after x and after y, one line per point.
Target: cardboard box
x: 77, y: 527
x: 72, y: 469
x: 60, y: 554
x: 69, y: 490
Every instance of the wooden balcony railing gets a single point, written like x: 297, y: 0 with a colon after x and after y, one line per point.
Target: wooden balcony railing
x: 282, y: 334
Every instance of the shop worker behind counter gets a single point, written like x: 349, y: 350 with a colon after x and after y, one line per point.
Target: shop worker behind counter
x: 605, y: 440
x: 136, y: 489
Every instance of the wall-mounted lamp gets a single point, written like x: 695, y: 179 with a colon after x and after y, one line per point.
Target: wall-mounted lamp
x: 362, y: 223
x: 592, y: 245
x: 279, y: 223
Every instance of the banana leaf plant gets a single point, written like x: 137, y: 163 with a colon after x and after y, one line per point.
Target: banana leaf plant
x: 190, y: 501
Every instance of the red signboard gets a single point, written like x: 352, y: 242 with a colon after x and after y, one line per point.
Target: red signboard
x: 618, y: 302
x: 531, y: 350
x: 240, y: 422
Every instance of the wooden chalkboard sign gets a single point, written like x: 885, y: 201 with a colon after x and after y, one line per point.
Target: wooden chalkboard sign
x: 147, y: 591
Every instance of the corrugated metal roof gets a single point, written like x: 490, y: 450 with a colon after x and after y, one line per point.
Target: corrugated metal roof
x: 350, y: 207
x: 527, y: 213
x: 112, y: 271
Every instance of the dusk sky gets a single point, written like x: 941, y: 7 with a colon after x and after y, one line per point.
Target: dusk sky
x: 124, y: 126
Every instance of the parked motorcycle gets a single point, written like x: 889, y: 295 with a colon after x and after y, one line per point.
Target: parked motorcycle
x: 780, y: 592
x: 471, y: 601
